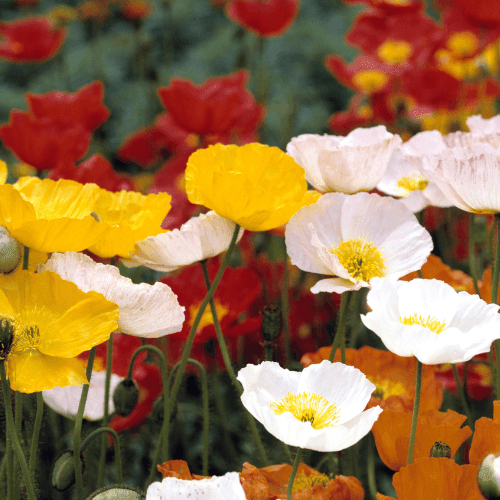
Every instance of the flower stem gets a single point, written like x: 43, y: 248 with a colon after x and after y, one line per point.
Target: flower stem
x: 229, y: 367
x: 165, y: 428
x: 156, y: 460
x: 356, y: 311
x: 462, y: 396
x: 284, y: 305
x: 494, y: 297
x: 92, y: 435
x: 340, y: 333
x: 18, y: 420
x: 77, y: 431
x: 196, y: 322
x: 105, y: 419
x: 26, y: 257
x: 293, y: 474
x: 11, y: 431
x: 36, y: 435
x: 414, y: 419
x: 472, y: 257
x: 370, y: 469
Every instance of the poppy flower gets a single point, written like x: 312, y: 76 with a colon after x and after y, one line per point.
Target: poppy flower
x: 356, y: 238
x: 394, y: 376
x: 266, y: 19
x: 134, y: 10
x: 29, y: 40
x: 392, y: 434
x: 486, y: 438
x: 320, y: 408
x: 483, y: 12
x: 42, y: 142
x: 84, y: 106
x: 220, y: 105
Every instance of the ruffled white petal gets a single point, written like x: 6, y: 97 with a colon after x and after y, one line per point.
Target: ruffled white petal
x: 65, y: 400
x: 479, y: 125
x: 200, y: 238
x: 337, y: 285
x: 145, y: 310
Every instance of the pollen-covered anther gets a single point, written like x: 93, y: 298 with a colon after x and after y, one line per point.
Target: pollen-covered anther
x: 361, y: 259
x: 308, y: 407
x: 429, y: 322
x: 302, y: 481
x: 411, y: 183
x: 386, y: 388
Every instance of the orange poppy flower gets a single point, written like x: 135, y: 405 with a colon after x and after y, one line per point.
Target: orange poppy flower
x: 392, y: 434
x: 435, y: 268
x: 436, y: 478
x: 486, y: 437
x: 484, y: 286
x: 393, y: 375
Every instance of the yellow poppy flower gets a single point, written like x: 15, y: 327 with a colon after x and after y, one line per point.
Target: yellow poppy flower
x: 45, y: 322
x: 259, y: 187
x: 3, y: 172
x: 50, y: 216
x: 132, y: 217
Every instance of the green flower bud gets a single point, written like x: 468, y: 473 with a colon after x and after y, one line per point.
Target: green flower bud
x: 7, y: 330
x: 63, y: 472
x: 488, y: 477
x: 10, y: 252
x: 271, y: 323
x: 125, y: 397
x: 117, y: 493
x: 440, y: 450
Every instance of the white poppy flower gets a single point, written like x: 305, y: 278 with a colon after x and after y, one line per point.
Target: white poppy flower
x: 320, y: 408
x: 145, y: 310
x: 348, y: 164
x: 428, y: 319
x: 405, y: 181
x: 356, y: 238
x: 201, y: 237
x: 215, y: 488
x: 65, y: 400
x: 488, y: 129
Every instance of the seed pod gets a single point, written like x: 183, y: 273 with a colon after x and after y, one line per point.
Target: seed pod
x: 125, y: 397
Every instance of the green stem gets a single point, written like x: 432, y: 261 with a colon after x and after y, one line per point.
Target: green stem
x: 165, y: 428
x: 414, y: 419
x: 77, y: 431
x: 18, y: 420
x: 356, y: 317
x: 293, y: 474
x: 9, y: 456
x: 107, y: 383
x: 284, y: 305
x: 472, y: 257
x: 462, y: 396
x: 26, y: 257
x: 11, y: 430
x: 3, y: 476
x: 340, y: 333
x: 192, y: 333
x: 36, y: 434
x: 494, y: 297
x: 156, y: 460
x: 370, y: 468
x: 229, y: 368
x: 119, y: 468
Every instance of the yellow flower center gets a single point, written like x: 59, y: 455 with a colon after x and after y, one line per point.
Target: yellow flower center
x: 207, y: 318
x: 361, y: 259
x: 26, y: 338
x: 308, y: 407
x: 411, y: 183
x: 463, y: 43
x: 370, y: 80
x: 395, y: 51
x: 303, y: 482
x: 430, y: 322
x: 386, y: 388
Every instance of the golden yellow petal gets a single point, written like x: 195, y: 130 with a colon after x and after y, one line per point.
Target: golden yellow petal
x: 3, y: 172
x: 60, y: 235
x: 14, y: 211
x: 6, y: 309
x: 56, y: 199
x: 254, y: 185
x: 32, y: 371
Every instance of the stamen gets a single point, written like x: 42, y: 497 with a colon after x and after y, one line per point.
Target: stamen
x: 303, y: 482
x: 411, y: 183
x: 430, y: 322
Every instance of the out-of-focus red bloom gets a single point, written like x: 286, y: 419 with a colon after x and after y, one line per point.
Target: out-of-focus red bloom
x: 95, y: 169
x: 93, y: 10
x: 146, y: 374
x: 33, y: 39
x: 267, y: 19
x: 484, y: 12
x: 26, y: 3
x: 220, y: 105
x: 394, y: 39
x: 141, y: 148
x: 44, y: 143
x: 84, y: 106
x: 391, y: 6
x: 134, y: 10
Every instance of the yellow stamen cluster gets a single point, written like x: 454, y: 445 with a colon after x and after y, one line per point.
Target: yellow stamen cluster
x: 361, y: 259
x: 207, y: 318
x: 411, y: 183
x: 395, y: 51
x: 463, y: 43
x: 386, y: 388
x: 308, y: 407
x: 430, y: 322
x: 303, y: 482
x: 370, y: 80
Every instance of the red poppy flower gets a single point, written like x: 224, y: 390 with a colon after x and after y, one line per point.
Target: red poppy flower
x: 136, y: 9
x: 84, y: 107
x: 391, y: 6
x: 220, y: 105
x: 95, y: 169
x: 484, y: 12
x: 267, y: 19
x: 44, y: 143
x: 33, y: 39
